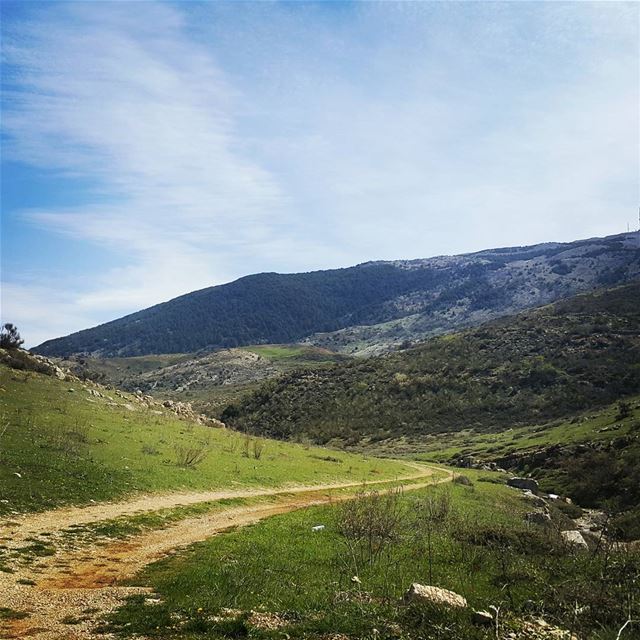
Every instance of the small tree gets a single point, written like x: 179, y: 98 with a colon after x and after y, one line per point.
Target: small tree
x: 9, y: 337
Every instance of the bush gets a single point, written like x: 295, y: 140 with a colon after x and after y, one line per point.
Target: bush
x: 9, y: 337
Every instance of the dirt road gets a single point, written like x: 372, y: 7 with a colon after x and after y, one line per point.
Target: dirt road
x: 66, y: 593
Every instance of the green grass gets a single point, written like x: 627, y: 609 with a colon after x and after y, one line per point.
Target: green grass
x: 295, y: 354
x: 484, y: 551
x: 59, y: 447
x: 599, y: 425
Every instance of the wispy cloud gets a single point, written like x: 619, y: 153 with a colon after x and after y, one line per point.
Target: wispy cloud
x: 131, y: 103
x: 223, y: 138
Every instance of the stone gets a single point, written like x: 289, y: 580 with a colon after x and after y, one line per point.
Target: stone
x: 535, y: 500
x: 434, y: 595
x: 539, y: 517
x: 523, y: 483
x: 482, y: 617
x: 574, y: 539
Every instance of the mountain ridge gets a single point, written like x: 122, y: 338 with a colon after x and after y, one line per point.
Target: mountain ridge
x: 371, y: 307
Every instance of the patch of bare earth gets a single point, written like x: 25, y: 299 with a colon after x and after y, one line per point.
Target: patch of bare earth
x: 75, y: 588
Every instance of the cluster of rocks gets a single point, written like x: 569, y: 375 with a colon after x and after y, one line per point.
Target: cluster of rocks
x: 186, y: 411
x: 470, y: 462
x: 533, y: 629
x: 136, y: 400
x: 22, y: 360
x: 574, y: 539
x: 183, y: 410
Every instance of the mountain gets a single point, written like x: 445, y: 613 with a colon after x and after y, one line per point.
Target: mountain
x: 538, y: 366
x: 367, y: 308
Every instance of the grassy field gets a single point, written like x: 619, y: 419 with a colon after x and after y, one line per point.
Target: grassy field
x: 61, y: 445
x: 280, y: 579
x: 303, y: 355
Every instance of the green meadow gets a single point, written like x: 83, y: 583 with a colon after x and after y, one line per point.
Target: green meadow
x: 60, y: 445
x: 281, y: 579
x: 596, y: 425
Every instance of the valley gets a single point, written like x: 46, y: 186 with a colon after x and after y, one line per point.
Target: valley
x: 311, y: 489
x: 209, y: 381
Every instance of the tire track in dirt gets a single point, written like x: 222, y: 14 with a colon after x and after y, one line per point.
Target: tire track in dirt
x: 19, y: 528
x: 83, y: 584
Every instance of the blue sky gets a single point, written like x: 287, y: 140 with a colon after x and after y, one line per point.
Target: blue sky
x: 151, y: 149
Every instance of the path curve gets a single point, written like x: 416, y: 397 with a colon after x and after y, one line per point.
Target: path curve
x: 87, y: 578
x: 20, y: 528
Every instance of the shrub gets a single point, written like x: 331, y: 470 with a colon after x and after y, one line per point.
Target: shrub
x: 192, y: 455
x: 370, y: 524
x: 9, y: 336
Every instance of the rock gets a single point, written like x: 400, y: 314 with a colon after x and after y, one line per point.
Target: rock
x: 523, y: 483
x: 539, y: 517
x: 539, y: 629
x: 356, y: 580
x: 434, y: 595
x: 535, y: 500
x: 482, y: 617
x: 574, y: 539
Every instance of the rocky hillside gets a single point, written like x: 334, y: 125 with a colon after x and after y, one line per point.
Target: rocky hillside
x: 540, y: 365
x: 364, y: 309
x: 210, y: 381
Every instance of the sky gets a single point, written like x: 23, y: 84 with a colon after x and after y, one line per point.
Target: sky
x: 150, y: 149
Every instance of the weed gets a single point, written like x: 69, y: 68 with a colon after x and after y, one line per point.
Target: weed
x: 12, y: 614
x: 191, y: 456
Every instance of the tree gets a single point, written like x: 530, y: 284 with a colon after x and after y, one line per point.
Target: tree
x: 9, y: 336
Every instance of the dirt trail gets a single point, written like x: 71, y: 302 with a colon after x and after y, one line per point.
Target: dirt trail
x: 20, y: 528
x: 70, y: 584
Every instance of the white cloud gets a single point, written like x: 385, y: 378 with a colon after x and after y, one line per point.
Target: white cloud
x: 223, y: 139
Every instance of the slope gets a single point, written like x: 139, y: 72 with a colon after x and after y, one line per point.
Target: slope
x: 541, y: 365
x: 366, y: 308
x: 210, y: 380
x: 66, y: 442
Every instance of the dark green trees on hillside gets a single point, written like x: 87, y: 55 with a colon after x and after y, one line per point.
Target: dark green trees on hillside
x: 283, y: 308
x: 538, y: 366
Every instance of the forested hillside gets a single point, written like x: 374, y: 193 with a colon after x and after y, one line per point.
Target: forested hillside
x: 367, y: 308
x: 543, y: 364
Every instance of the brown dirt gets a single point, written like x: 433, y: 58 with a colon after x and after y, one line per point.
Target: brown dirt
x: 81, y: 585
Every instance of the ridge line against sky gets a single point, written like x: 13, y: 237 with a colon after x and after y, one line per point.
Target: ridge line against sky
x: 153, y: 149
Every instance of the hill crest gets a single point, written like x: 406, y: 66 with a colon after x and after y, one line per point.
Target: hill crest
x: 364, y: 309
